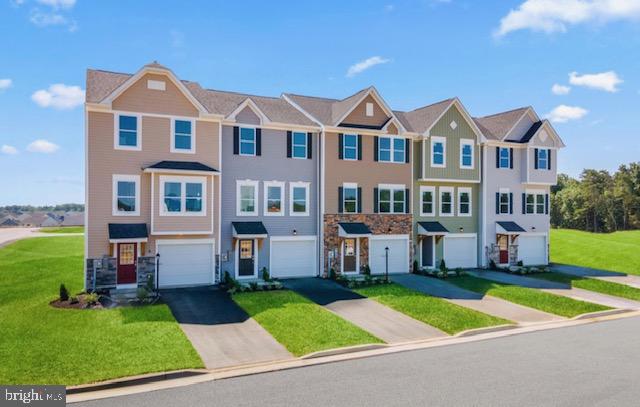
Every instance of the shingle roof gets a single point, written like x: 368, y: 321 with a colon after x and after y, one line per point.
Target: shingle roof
x: 249, y: 228
x: 101, y: 84
x: 327, y: 111
x: 419, y: 120
x: 128, y: 231
x: 355, y: 228
x: 531, y: 132
x: 433, y: 227
x: 182, y: 166
x: 510, y: 226
x: 496, y: 126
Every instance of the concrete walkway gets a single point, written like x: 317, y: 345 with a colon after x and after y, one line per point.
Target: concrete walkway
x: 559, y: 289
x: 383, y: 322
x: 469, y: 299
x: 612, y: 276
x: 220, y: 331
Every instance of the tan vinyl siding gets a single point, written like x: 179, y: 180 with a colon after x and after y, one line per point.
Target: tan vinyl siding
x: 247, y: 116
x: 358, y: 115
x: 392, y: 129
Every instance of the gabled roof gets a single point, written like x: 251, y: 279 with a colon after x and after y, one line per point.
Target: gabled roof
x: 181, y: 166
x: 531, y: 132
x: 497, y: 126
x: 425, y: 117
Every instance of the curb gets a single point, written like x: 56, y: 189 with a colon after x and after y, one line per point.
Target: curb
x: 134, y: 381
x: 598, y: 314
x: 479, y: 331
x: 342, y: 351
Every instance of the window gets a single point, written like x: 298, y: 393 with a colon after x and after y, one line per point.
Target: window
x: 182, y: 137
x: 391, y: 199
x: 504, y: 203
x: 182, y: 196
x: 350, y: 198
x: 427, y: 201
x: 127, y: 134
x: 391, y: 149
x: 350, y: 146
x: 531, y: 204
x: 438, y: 151
x: 247, y: 141
x: 299, y: 199
x: 535, y: 202
x: 505, y: 158
x: 126, y: 190
x: 246, y: 198
x: 299, y: 148
x: 273, y: 198
x: 466, y: 153
x: 369, y: 109
x: 446, y: 201
x: 543, y: 159
x: 539, y: 203
x: 464, y: 201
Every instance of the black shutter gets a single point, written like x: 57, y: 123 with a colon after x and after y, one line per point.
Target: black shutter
x: 524, y: 203
x: 236, y: 140
x: 407, y: 150
x: 549, y: 159
x: 258, y: 142
x: 341, y: 146
x: 535, y: 159
x: 406, y: 201
x: 359, y: 200
x: 497, y: 203
x: 359, y: 157
x: 511, y: 158
x: 511, y: 203
x: 546, y: 204
x: 309, y: 145
x: 497, y: 157
x: 340, y: 200
x: 289, y: 144
x: 375, y: 148
x: 375, y: 200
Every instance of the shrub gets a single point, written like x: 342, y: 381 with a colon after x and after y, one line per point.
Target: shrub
x: 415, y: 266
x: 142, y: 294
x: 265, y: 274
x: 519, y: 263
x: 459, y: 272
x: 73, y: 299
x: 253, y: 285
x: 366, y: 270
x: 228, y: 279
x: 64, y: 293
x: 332, y: 273
x: 92, y: 298
x: 443, y: 266
x: 150, y: 285
x: 492, y: 265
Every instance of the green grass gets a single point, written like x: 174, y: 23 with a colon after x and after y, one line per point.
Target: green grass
x: 592, y: 284
x: 299, y: 324
x: 551, y: 303
x: 448, y: 317
x: 63, y: 229
x: 619, y: 251
x: 40, y: 344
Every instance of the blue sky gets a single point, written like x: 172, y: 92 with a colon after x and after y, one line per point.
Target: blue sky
x: 494, y: 56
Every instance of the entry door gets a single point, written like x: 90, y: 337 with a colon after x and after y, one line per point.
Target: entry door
x: 427, y: 251
x: 503, y: 244
x: 349, y: 257
x: 246, y: 265
x: 127, y: 258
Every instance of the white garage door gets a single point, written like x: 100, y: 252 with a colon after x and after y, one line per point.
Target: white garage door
x: 532, y: 250
x: 293, y: 258
x: 185, y: 264
x: 398, y: 254
x: 460, y: 251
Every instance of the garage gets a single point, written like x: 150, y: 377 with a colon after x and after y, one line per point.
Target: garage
x: 185, y: 262
x: 532, y: 250
x: 461, y: 251
x: 398, y: 254
x: 293, y: 257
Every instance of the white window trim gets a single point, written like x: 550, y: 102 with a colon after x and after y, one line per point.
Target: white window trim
x: 116, y: 132
x: 344, y: 147
x: 183, y: 194
x: 463, y: 143
x: 265, y: 207
x: 255, y: 140
x: 546, y: 161
x: 441, y: 190
x: 426, y: 188
x: 508, y: 192
x: 500, y: 167
x: 526, y: 204
x: 114, y: 192
x: 173, y: 148
x: 369, y: 109
x: 353, y: 186
x: 306, y: 186
x: 443, y: 140
x: 393, y: 188
x: 306, y: 145
x: 254, y: 184
x: 462, y: 190
x: 392, y: 149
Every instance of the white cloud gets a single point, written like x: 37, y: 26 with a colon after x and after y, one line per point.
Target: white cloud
x: 557, y: 89
x: 43, y: 146
x: 5, y: 84
x: 10, y: 150
x: 58, y: 3
x: 607, y: 81
x: 59, y: 96
x: 364, y: 65
x: 550, y: 16
x: 564, y: 113
x: 389, y: 8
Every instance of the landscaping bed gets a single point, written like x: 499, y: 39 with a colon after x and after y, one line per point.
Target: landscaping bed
x: 593, y: 284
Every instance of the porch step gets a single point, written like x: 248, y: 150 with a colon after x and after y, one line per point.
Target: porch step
x: 123, y: 294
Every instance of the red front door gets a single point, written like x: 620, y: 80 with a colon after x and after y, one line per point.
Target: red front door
x: 503, y: 244
x: 127, y: 259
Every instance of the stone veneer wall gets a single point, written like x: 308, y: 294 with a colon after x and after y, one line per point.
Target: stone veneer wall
x: 391, y: 224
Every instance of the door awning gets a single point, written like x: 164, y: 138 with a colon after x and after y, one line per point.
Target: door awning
x: 249, y: 230
x: 353, y: 229
x: 128, y: 232
x: 509, y: 228
x: 432, y: 229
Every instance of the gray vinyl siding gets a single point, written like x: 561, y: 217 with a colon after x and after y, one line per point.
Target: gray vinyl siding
x: 272, y: 165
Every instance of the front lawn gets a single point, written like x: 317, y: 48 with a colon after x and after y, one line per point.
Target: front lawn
x: 63, y: 229
x: 619, y: 251
x: 44, y: 345
x: 551, y: 303
x: 300, y: 325
x: 592, y: 284
x: 446, y: 316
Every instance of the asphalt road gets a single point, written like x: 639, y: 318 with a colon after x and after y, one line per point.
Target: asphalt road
x: 589, y: 365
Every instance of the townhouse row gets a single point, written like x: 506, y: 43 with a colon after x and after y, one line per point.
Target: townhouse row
x: 201, y: 182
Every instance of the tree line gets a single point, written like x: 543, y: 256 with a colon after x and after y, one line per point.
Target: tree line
x: 68, y: 207
x: 598, y: 201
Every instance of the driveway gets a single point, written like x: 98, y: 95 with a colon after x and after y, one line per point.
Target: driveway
x: 469, y: 299
x: 613, y: 276
x: 222, y: 333
x: 383, y: 322
x: 9, y: 235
